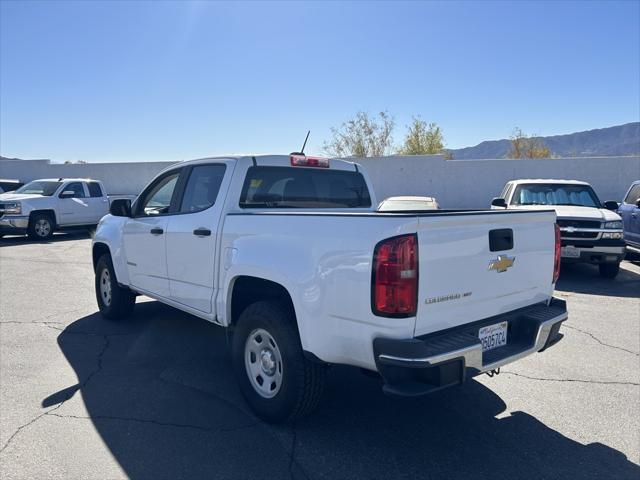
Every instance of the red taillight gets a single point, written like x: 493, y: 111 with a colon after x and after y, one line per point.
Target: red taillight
x: 304, y: 161
x: 558, y: 254
x: 395, y: 277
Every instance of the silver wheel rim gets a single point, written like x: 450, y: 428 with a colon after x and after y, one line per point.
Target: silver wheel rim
x: 42, y: 227
x: 263, y: 362
x: 105, y: 287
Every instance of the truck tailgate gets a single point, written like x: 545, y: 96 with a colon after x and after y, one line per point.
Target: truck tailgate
x: 461, y: 280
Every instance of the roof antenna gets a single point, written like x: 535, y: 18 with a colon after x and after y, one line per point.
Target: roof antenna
x: 305, y: 142
x: 301, y: 152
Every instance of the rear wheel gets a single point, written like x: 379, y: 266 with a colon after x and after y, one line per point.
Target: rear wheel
x: 114, y: 301
x: 279, y: 383
x: 609, y: 270
x: 41, y: 227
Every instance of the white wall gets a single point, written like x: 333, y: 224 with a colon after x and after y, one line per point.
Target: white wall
x: 455, y: 183
x: 118, y: 178
x: 473, y: 183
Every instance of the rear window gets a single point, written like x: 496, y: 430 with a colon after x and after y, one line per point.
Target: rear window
x: 297, y: 187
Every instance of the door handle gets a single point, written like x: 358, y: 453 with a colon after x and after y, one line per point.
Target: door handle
x: 202, y: 232
x: 157, y: 231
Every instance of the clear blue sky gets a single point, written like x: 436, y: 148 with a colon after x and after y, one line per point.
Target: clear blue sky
x: 138, y: 81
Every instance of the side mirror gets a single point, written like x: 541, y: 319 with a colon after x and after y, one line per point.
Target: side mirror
x: 638, y: 203
x: 499, y: 202
x: 67, y: 194
x: 611, y: 205
x: 120, y: 207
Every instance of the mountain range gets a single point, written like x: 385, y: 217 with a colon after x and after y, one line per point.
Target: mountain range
x: 620, y: 140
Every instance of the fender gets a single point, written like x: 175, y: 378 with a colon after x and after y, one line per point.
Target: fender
x: 109, y: 233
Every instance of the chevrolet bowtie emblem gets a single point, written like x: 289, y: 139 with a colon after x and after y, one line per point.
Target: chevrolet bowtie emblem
x: 501, y: 263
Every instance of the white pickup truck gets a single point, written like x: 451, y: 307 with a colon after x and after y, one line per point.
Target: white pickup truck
x: 43, y: 206
x: 289, y: 254
x: 591, y: 230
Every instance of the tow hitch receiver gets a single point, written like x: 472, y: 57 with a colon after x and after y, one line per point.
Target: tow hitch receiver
x: 493, y: 372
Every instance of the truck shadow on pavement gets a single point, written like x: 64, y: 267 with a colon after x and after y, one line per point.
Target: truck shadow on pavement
x: 584, y: 278
x: 159, y: 390
x: 65, y: 236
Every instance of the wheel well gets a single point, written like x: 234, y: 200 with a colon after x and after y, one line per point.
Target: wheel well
x: 51, y: 214
x: 99, y: 249
x: 248, y: 290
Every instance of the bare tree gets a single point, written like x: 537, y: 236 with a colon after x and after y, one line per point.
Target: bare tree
x: 422, y: 138
x: 526, y: 146
x: 362, y: 136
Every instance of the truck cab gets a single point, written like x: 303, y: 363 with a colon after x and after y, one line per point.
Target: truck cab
x: 591, y: 230
x: 43, y: 206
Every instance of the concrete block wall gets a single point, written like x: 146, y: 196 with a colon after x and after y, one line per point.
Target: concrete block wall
x: 455, y: 183
x: 473, y: 183
x: 118, y: 178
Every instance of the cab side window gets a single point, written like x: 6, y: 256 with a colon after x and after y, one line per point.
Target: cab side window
x: 202, y: 187
x: 77, y: 188
x: 156, y: 200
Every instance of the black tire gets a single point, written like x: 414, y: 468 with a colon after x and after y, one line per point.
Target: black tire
x: 302, y: 380
x: 41, y: 226
x: 609, y: 270
x: 119, y: 302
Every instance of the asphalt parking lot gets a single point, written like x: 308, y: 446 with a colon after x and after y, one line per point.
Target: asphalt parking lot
x: 153, y: 397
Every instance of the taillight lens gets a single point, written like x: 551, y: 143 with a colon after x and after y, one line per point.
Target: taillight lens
x: 395, y: 277
x: 558, y: 253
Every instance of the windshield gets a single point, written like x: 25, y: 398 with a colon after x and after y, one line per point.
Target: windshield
x: 39, y: 187
x: 555, y: 194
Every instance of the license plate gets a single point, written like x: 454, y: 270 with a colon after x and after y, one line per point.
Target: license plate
x: 570, y: 252
x: 493, y: 336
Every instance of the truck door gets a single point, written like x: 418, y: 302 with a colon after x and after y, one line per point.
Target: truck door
x: 98, y: 202
x: 630, y: 214
x: 73, y: 208
x: 192, y: 235
x: 144, y: 235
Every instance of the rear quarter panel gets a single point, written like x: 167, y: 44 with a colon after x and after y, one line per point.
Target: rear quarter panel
x: 324, y: 262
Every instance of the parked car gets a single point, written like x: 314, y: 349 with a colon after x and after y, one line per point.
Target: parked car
x: 407, y: 203
x: 9, y: 185
x: 289, y: 255
x: 43, y: 206
x: 629, y: 210
x: 591, y: 230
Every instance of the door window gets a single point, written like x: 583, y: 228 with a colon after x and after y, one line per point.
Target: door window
x: 94, y: 189
x: 157, y: 199
x: 202, y: 187
x: 633, y: 195
x: 77, y: 188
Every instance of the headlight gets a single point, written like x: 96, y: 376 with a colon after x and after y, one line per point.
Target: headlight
x: 616, y: 225
x: 12, y: 208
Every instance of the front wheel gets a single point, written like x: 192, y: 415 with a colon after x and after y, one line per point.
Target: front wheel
x: 278, y: 382
x: 609, y: 270
x: 40, y: 227
x: 114, y: 301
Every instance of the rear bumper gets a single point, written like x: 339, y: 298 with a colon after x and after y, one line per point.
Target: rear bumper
x: 425, y: 364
